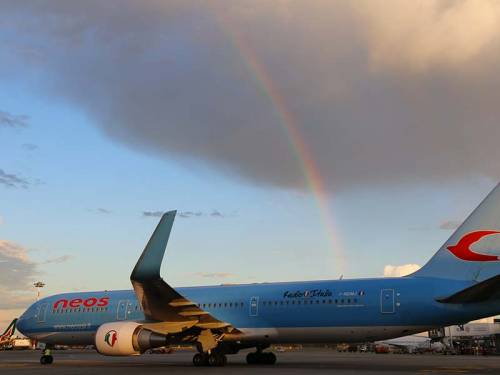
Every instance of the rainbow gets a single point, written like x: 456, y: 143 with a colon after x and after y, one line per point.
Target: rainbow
x: 312, y: 175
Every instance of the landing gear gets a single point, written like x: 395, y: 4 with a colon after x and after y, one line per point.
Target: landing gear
x: 261, y: 358
x: 213, y: 359
x: 46, y: 358
x: 200, y: 359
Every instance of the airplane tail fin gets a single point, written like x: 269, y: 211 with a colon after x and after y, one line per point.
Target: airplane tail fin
x: 473, y: 252
x: 9, y: 332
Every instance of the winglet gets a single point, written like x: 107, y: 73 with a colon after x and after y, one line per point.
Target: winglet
x: 148, y: 265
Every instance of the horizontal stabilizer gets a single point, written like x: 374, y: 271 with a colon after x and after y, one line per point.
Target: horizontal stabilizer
x: 486, y: 290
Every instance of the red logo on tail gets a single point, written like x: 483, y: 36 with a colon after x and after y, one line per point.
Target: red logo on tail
x: 463, y: 251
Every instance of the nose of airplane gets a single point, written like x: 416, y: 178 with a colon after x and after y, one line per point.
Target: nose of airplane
x: 22, y: 324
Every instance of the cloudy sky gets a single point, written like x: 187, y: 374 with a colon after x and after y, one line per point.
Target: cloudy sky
x: 298, y: 139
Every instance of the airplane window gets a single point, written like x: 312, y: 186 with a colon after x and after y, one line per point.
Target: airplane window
x: 341, y: 301
x: 225, y: 305
x: 324, y: 301
x: 281, y: 303
x: 336, y: 301
x: 230, y: 304
x: 275, y: 303
x: 330, y: 301
x: 348, y: 300
x: 317, y: 301
x: 287, y: 302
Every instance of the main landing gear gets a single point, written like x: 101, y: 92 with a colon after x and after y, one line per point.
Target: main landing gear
x: 261, y: 358
x: 46, y: 358
x: 213, y: 359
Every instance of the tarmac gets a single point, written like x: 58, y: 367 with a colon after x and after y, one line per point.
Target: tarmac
x: 293, y: 362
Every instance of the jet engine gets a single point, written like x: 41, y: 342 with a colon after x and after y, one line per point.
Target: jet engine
x: 126, y: 338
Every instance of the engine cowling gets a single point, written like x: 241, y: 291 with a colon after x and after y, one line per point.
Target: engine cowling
x: 126, y: 338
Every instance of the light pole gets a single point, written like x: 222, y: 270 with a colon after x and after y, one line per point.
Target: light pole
x: 38, y: 285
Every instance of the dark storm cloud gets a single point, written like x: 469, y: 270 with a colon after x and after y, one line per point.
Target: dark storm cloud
x: 381, y: 92
x: 13, y: 121
x: 12, y: 181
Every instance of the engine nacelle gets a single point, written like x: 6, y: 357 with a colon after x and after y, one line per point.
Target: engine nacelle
x: 126, y: 338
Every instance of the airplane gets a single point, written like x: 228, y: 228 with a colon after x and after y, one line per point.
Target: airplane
x: 9, y: 332
x: 460, y: 283
x: 412, y: 344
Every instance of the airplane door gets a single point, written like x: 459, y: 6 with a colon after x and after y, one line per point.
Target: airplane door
x: 42, y: 311
x: 387, y: 301
x: 121, y: 311
x: 254, y: 306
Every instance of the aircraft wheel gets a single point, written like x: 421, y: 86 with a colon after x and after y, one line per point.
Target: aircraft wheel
x: 46, y: 359
x: 216, y: 359
x: 269, y: 358
x: 223, y: 360
x: 252, y: 358
x: 200, y: 359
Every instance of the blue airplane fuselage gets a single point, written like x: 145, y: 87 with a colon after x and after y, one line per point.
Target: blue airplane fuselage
x: 313, y: 311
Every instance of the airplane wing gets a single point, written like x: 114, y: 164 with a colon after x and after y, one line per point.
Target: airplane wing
x: 167, y: 311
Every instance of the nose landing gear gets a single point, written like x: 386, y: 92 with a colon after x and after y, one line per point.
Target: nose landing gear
x: 46, y: 358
